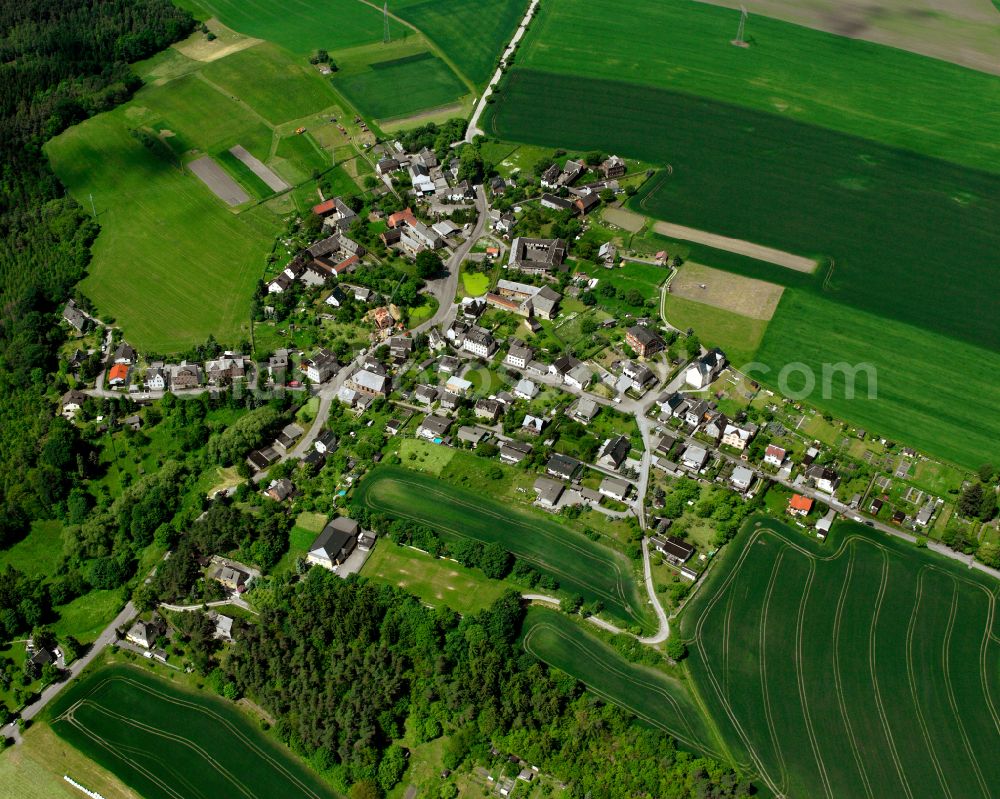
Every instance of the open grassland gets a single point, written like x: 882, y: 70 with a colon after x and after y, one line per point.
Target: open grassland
x: 737, y: 335
x: 862, y: 667
x: 659, y: 700
x: 166, y: 742
x: 303, y: 26
x: 275, y: 86
x: 432, y: 580
x: 936, y: 394
x: 580, y: 565
x: 644, y: 278
x: 855, y: 87
x: 963, y: 31
x: 906, y: 234
x: 38, y: 554
x: 757, y: 299
x: 400, y: 86
x: 472, y: 34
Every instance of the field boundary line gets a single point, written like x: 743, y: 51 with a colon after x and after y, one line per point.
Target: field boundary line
x: 880, y: 706
x: 800, y: 679
x: 950, y: 691
x: 838, y: 681
x: 911, y: 678
x: 762, y: 655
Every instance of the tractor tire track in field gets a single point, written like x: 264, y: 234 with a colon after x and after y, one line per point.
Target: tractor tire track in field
x: 690, y: 737
x: 879, y: 704
x: 950, y: 692
x: 838, y: 681
x: 762, y: 656
x: 912, y: 679
x: 800, y: 679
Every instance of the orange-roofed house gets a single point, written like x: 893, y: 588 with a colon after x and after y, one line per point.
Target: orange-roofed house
x: 324, y: 208
x: 118, y: 374
x: 404, y: 217
x: 799, y: 505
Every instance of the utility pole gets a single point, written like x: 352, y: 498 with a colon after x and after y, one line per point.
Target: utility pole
x: 739, y: 40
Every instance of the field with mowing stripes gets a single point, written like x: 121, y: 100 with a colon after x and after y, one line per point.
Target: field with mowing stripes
x: 864, y: 667
x: 580, y: 565
x: 167, y: 743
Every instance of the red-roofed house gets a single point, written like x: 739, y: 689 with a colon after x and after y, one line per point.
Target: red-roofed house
x: 346, y: 264
x: 404, y: 217
x: 118, y: 374
x: 324, y: 208
x: 774, y: 455
x: 799, y: 505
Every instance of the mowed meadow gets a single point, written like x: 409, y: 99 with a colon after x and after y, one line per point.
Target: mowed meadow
x: 164, y: 741
x: 861, y: 667
x: 813, y: 144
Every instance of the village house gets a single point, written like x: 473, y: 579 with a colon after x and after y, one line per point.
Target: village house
x: 614, y: 452
x: 715, y: 425
x: 525, y: 390
x: 584, y: 410
x: 336, y: 298
x: 579, y: 376
x: 644, y: 341
x: 513, y: 452
x: 157, y: 378
x: 425, y: 395
x: 286, y: 439
x: 260, y: 459
x: 533, y: 425
x: 694, y: 458
x: 519, y: 355
x: 133, y: 422
x: 458, y: 385
x: 71, y: 403
x: 229, y: 576
x: 550, y: 177
x: 587, y: 203
x: 479, y: 342
x: 118, y: 375
x: 365, y: 381
x: 76, y: 318
x: 675, y: 550
x: 449, y: 401
x: 225, y: 369
x: 434, y: 428
x: 774, y: 455
x: 488, y: 409
x: 698, y: 412
x: 615, y: 488
x: 185, y: 375
x: 638, y: 375
x: 279, y: 490
x: 334, y: 544
x: 799, y: 505
x: 325, y: 443
x: 738, y: 436
x: 703, y: 372
x: 824, y: 478
x: 556, y: 203
x: 824, y: 525
x: 279, y: 284
x: 613, y: 167
x: 548, y: 492
x: 322, y: 366
x: 741, y: 479
x: 146, y: 633
x: 124, y: 354
x: 563, y: 466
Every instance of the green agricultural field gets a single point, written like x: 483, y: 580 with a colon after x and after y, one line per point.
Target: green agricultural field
x: 400, y: 86
x: 277, y: 87
x: 878, y: 93
x: 737, y: 335
x: 936, y: 394
x: 432, y: 580
x: 472, y: 35
x: 580, y: 565
x: 297, y: 157
x: 305, y: 25
x: 165, y: 742
x: 862, y: 666
x: 657, y: 699
x: 243, y: 175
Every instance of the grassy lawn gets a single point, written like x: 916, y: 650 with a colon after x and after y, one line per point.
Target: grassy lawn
x: 475, y: 284
x: 200, y: 744
x: 580, y: 565
x: 421, y: 313
x: 433, y: 581
x: 86, y: 616
x: 659, y: 700
x: 307, y: 26
x: 399, y: 86
x: 873, y: 650
x: 473, y: 35
x: 37, y: 554
x: 307, y: 526
x: 737, y: 335
x: 423, y: 456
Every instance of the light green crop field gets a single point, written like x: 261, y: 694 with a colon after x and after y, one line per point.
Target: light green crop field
x: 580, y: 565
x: 166, y: 742
x: 657, y: 699
x: 862, y: 667
x: 432, y: 580
x: 852, y: 86
x: 737, y: 335
x: 937, y: 394
x: 297, y: 157
x: 277, y: 87
x: 472, y: 34
x: 400, y: 86
x: 305, y: 25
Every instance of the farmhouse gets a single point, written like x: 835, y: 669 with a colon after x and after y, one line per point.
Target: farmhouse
x: 536, y: 256
x: 556, y: 203
x: 644, y: 341
x: 616, y: 488
x: 613, y: 167
x: 335, y: 544
x: 674, y: 549
x: 550, y: 177
x: 585, y: 204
